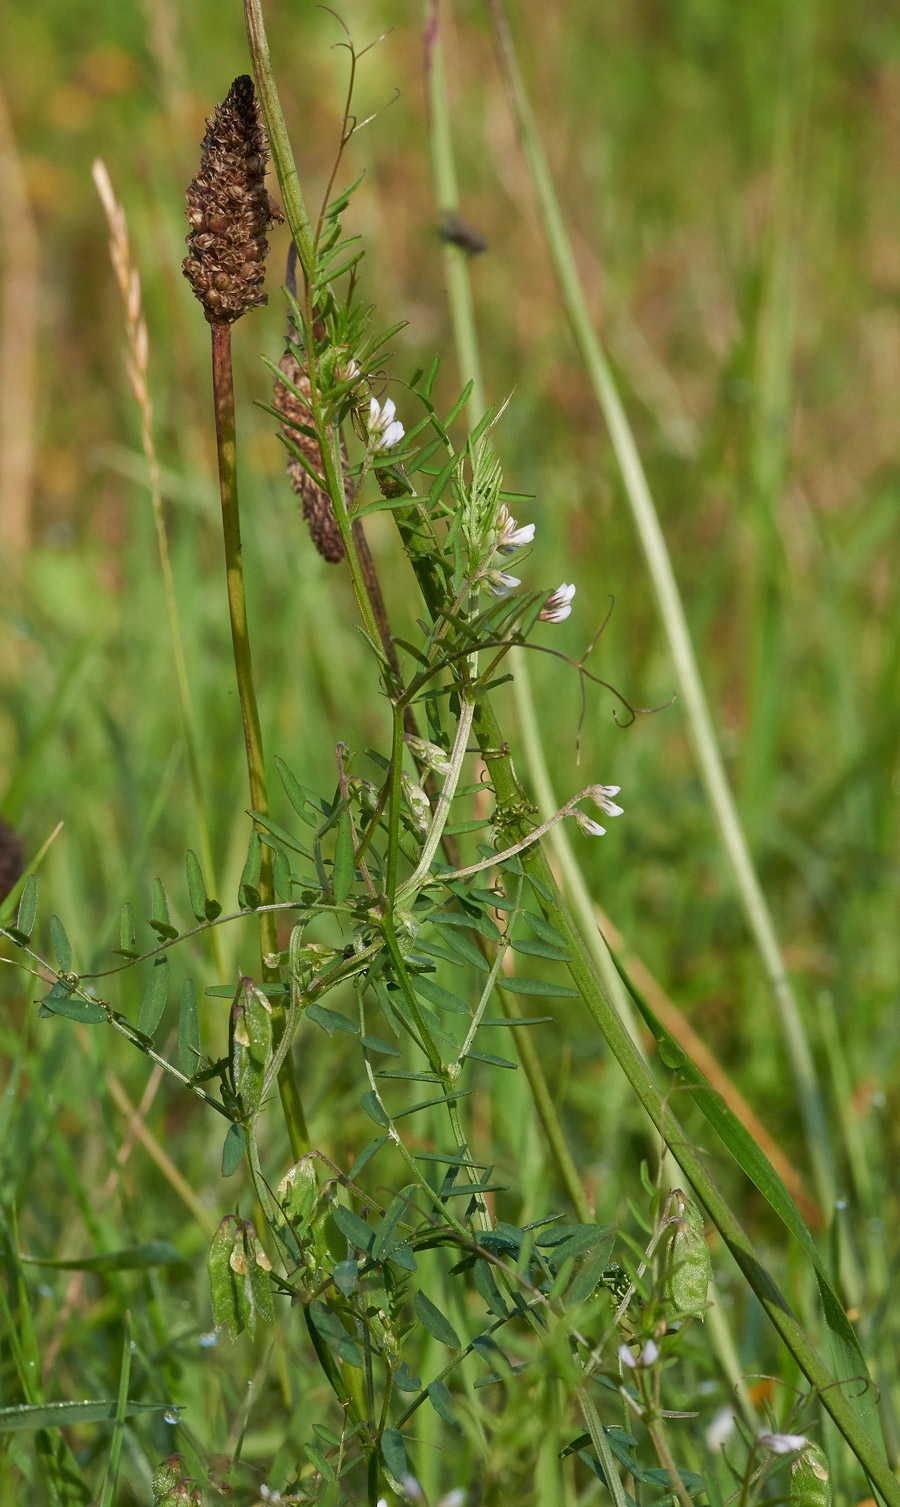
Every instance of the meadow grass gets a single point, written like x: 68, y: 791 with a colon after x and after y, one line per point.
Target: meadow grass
x: 724, y: 178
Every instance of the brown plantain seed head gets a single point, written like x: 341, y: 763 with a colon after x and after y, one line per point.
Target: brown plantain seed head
x: 229, y: 209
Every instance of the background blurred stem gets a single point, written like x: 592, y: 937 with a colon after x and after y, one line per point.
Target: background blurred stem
x: 671, y: 611
x: 446, y: 196
x: 136, y: 334
x: 223, y: 397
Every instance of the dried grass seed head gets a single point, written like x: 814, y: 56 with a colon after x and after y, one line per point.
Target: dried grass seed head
x: 229, y: 209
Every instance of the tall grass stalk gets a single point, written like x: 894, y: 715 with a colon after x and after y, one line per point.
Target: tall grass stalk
x: 731, y: 832
x: 137, y: 367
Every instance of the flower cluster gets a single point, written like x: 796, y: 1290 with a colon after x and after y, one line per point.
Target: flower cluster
x: 602, y: 796
x: 512, y: 536
x: 385, y: 432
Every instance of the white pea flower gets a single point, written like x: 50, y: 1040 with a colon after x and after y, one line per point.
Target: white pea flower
x: 720, y: 1428
x: 512, y: 537
x: 782, y: 1444
x: 602, y: 796
x: 385, y: 432
x: 558, y: 605
x: 500, y: 581
x: 650, y: 1353
x: 626, y: 1358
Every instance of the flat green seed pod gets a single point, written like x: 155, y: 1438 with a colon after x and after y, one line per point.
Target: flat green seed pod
x: 221, y: 1278
x: 810, y: 1486
x: 688, y: 1266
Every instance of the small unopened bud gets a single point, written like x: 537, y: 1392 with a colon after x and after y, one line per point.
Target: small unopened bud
x: 166, y: 1474
x: 418, y: 803
x: 429, y: 754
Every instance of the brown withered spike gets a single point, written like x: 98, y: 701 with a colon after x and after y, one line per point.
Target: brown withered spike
x: 230, y: 210
x: 12, y: 858
x: 315, y: 504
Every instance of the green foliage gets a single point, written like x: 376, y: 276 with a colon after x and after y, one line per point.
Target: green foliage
x: 447, y: 1259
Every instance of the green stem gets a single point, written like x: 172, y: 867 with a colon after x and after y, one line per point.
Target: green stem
x: 294, y: 204
x: 671, y: 611
x: 445, y: 800
x: 223, y: 398
x: 446, y: 195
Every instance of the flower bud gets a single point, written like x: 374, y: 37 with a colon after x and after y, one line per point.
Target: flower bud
x: 166, y: 1474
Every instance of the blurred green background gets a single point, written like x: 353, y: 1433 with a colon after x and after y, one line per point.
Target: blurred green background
x: 729, y: 175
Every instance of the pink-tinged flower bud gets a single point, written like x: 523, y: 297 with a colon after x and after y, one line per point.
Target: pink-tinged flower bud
x: 501, y: 581
x: 558, y: 604
x: 512, y: 537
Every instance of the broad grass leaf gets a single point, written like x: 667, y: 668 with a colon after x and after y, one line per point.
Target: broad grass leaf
x: 140, y: 1257
x: 57, y: 1415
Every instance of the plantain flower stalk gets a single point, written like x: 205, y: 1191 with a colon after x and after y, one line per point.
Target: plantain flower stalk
x: 230, y: 211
